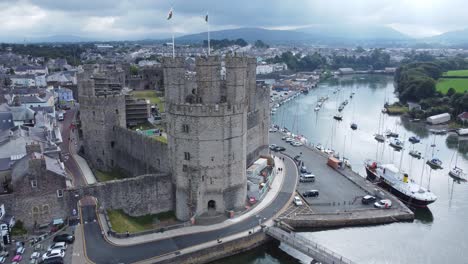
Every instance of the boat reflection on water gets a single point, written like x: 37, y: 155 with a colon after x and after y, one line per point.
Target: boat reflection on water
x: 423, y: 215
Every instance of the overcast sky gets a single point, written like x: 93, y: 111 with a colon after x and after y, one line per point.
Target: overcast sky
x: 136, y: 19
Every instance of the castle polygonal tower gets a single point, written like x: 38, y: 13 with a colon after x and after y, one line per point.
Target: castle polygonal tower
x: 207, y: 134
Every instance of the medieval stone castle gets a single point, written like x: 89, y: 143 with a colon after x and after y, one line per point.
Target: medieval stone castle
x: 217, y: 123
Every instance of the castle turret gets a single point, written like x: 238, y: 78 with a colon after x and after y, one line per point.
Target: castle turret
x: 207, y: 128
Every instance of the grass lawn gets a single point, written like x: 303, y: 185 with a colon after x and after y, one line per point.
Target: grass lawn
x: 115, y: 174
x: 152, y: 96
x: 457, y: 73
x: 460, y: 85
x: 396, y: 110
x: 122, y: 222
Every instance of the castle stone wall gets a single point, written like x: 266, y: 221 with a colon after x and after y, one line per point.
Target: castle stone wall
x: 138, y: 154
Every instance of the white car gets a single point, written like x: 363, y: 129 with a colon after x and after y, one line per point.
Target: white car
x: 58, y: 245
x: 53, y: 253
x: 297, y: 201
x: 385, y: 203
x: 296, y: 143
x: 289, y: 139
x: 272, y: 130
x: 272, y: 146
x: 35, y: 255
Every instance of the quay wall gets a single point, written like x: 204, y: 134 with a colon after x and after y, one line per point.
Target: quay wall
x: 219, y: 251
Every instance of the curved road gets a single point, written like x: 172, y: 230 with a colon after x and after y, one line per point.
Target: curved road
x: 100, y: 251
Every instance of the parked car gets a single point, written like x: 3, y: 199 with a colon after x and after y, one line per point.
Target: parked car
x: 303, y: 169
x: 272, y: 130
x: 368, y: 199
x: 385, y: 203
x: 64, y: 238
x: 284, y: 137
x: 311, y: 193
x: 54, y: 253
x: 296, y: 143
x: 307, y: 177
x: 297, y: 158
x: 35, y: 255
x: 289, y: 139
x: 3, y: 259
x: 17, y: 258
x: 273, y: 146
x: 20, y: 250
x: 58, y: 245
x: 280, y: 148
x: 297, y: 201
x: 54, y: 260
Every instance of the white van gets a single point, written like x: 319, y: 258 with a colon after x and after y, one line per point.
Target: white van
x: 307, y: 177
x: 60, y: 117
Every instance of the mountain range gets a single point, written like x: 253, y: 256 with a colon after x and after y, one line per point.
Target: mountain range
x: 319, y: 34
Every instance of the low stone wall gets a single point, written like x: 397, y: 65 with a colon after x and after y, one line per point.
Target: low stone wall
x: 220, y: 251
x: 346, y: 219
x: 147, y: 194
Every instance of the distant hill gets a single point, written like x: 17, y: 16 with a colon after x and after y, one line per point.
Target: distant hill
x: 451, y: 37
x: 318, y: 35
x: 60, y: 39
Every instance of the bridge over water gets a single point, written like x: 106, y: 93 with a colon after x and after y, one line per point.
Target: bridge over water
x: 319, y: 253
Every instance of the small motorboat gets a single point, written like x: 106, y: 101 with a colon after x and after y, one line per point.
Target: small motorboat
x: 379, y: 137
x: 353, y: 126
x: 396, y: 144
x: 340, y: 108
x: 458, y: 174
x: 316, y: 109
x: 338, y: 117
x: 345, y: 102
x: 414, y: 140
x: 415, y: 154
x: 384, y: 110
x: 438, y: 131
x: 319, y: 147
x: 435, y: 163
x: 389, y: 133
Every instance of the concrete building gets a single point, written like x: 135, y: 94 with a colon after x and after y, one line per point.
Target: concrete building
x: 137, y: 111
x: 438, y: 119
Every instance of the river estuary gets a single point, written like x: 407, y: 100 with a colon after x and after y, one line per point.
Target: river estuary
x: 438, y: 235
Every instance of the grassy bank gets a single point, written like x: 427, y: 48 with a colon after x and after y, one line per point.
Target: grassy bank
x: 115, y: 174
x: 161, y: 139
x: 456, y: 73
x: 121, y: 222
x: 397, y: 110
x: 444, y: 84
x: 152, y: 96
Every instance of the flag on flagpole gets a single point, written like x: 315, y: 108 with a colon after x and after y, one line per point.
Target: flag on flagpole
x: 169, y: 16
x: 206, y: 18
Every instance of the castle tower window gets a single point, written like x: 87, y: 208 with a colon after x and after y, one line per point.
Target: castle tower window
x: 117, y: 111
x: 187, y: 155
x: 185, y: 128
x: 35, y: 211
x: 184, y: 168
x: 34, y: 183
x: 59, y: 193
x: 45, y: 209
x: 94, y: 113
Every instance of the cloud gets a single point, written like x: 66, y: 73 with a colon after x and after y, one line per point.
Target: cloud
x: 132, y: 19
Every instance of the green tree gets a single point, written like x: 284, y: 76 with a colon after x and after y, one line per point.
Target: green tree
x: 133, y: 70
x: 450, y: 92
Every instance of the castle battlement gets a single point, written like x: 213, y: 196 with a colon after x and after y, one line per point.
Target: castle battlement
x: 213, y: 110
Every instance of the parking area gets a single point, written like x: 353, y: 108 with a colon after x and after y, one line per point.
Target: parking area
x: 25, y: 251
x: 336, y: 192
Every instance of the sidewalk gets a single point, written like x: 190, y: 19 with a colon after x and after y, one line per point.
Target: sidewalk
x: 267, y: 200
x: 85, y: 170
x: 79, y: 256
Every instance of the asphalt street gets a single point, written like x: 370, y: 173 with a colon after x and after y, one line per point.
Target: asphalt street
x: 100, y: 251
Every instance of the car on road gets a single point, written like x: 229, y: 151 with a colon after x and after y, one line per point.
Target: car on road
x: 289, y: 139
x: 303, y: 169
x: 64, y: 238
x: 311, y: 193
x: 297, y: 158
x: 284, y: 137
x: 54, y: 253
x: 273, y: 146
x: 297, y: 201
x: 307, y: 177
x: 58, y: 245
x: 20, y: 250
x: 272, y: 130
x: 384, y: 203
x: 296, y: 143
x: 54, y: 260
x: 368, y: 199
x: 279, y: 148
x: 17, y: 258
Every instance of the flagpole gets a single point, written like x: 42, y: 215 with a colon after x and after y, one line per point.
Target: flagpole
x: 209, y: 49
x: 173, y: 44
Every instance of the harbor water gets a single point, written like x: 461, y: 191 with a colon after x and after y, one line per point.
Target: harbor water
x: 439, y: 234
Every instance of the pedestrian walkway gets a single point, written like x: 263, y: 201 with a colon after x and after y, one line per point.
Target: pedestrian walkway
x: 267, y: 200
x: 79, y: 256
x: 85, y: 169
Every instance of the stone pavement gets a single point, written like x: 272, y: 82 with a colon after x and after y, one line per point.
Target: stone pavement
x: 269, y: 197
x: 84, y: 167
x: 79, y: 256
